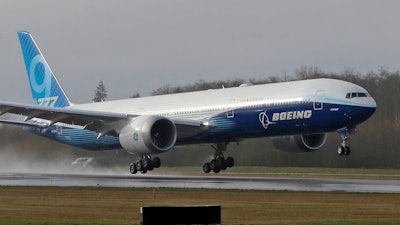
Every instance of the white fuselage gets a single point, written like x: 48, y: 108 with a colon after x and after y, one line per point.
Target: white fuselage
x: 203, y: 104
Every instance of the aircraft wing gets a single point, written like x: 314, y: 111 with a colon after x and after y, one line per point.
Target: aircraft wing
x: 101, y: 122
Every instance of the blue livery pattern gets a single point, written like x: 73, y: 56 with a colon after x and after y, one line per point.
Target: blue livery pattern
x: 45, y: 88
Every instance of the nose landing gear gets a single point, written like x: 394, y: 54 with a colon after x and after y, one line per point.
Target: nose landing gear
x: 344, y: 149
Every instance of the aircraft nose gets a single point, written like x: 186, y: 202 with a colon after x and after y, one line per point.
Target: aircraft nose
x: 372, y: 103
x: 371, y: 107
x: 366, y: 110
x: 368, y: 102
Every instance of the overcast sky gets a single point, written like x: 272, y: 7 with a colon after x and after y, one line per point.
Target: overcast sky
x: 138, y: 46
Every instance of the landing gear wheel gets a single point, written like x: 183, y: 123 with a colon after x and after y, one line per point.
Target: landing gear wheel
x: 147, y: 164
x: 144, y: 164
x: 156, y: 162
x: 221, y: 163
x: 212, y: 164
x: 347, y: 150
x: 206, y: 167
x: 216, y: 170
x: 230, y: 162
x: 139, y: 165
x: 340, y: 150
x: 344, y: 150
x: 132, y: 168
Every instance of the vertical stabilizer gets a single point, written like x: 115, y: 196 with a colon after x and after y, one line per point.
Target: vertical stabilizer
x: 45, y: 88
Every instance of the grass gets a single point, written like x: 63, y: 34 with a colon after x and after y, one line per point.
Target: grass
x: 73, y: 205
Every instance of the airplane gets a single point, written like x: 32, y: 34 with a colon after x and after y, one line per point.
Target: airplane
x: 298, y: 114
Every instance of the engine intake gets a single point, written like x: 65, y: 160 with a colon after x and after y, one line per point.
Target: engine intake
x: 148, y: 134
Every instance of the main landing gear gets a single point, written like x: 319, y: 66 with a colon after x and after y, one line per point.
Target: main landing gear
x: 344, y: 149
x: 218, y: 162
x: 144, y: 164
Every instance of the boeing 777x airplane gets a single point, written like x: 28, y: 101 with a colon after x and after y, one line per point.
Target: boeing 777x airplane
x: 298, y: 113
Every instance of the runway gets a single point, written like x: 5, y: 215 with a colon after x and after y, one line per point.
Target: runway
x: 210, y: 182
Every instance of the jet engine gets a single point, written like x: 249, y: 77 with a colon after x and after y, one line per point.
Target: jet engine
x: 300, y: 143
x: 148, y: 134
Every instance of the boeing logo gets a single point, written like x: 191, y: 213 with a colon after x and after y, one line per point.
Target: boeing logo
x: 283, y: 116
x: 292, y: 115
x: 264, y: 120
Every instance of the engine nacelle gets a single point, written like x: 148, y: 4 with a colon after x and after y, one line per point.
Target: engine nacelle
x: 148, y: 134
x: 300, y: 143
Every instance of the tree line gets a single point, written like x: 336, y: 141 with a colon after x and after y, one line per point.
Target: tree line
x: 374, y: 145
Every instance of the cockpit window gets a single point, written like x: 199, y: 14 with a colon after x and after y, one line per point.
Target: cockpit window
x: 357, y: 95
x: 362, y: 95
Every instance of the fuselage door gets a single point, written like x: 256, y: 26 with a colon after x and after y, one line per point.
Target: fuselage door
x: 230, y: 113
x: 318, y: 104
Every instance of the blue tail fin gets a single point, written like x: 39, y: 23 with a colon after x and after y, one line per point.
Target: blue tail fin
x: 44, y: 86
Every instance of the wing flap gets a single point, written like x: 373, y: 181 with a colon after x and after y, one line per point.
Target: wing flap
x: 24, y: 123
